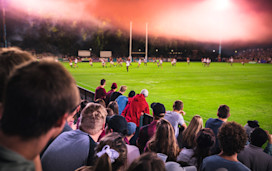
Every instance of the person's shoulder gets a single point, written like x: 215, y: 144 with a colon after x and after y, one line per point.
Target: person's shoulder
x: 241, y: 166
x: 212, y: 158
x: 210, y: 120
x: 172, y: 115
x: 121, y: 97
x: 132, y: 148
x: 144, y: 129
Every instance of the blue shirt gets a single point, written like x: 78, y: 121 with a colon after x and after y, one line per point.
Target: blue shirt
x: 122, y: 102
x: 216, y: 162
x: 214, y: 124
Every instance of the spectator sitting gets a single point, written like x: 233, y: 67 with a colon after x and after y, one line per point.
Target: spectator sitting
x: 123, y: 100
x: 109, y: 114
x: 114, y: 106
x: 83, y: 104
x: 125, y: 111
x: 30, y: 99
x: 205, y: 139
x: 114, y: 95
x: 110, y: 154
x: 250, y: 126
x: 9, y: 59
x: 74, y: 149
x: 119, y: 124
x: 164, y: 141
x: 175, y: 116
x: 67, y: 127
x: 108, y: 95
x: 147, y: 162
x: 223, y: 114
x: 135, y: 110
x: 131, y: 130
x: 232, y: 139
x: 268, y: 148
x: 133, y: 151
x: 147, y: 131
x: 100, y: 101
x: 253, y: 156
x: 100, y: 92
x: 189, y: 134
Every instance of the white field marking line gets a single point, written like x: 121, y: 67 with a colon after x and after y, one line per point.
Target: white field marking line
x: 85, y: 85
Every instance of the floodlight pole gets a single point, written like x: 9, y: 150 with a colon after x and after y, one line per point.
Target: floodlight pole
x: 4, y: 24
x: 130, y: 42
x: 146, y: 42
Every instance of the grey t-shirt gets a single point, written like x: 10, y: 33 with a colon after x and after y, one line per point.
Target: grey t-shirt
x: 10, y: 161
x: 254, y: 158
x: 68, y: 151
x: 175, y: 119
x: 216, y: 162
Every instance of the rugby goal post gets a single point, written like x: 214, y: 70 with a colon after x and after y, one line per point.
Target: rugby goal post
x: 130, y: 43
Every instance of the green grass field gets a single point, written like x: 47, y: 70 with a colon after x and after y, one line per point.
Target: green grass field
x: 246, y: 89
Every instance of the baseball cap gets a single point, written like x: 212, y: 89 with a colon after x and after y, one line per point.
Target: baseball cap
x: 144, y: 92
x: 131, y: 128
x: 158, y: 109
x: 118, y: 124
x: 114, y: 86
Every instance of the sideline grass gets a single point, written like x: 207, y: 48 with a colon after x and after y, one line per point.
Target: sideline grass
x: 246, y: 89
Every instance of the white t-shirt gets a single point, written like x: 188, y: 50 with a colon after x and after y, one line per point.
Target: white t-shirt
x: 132, y: 153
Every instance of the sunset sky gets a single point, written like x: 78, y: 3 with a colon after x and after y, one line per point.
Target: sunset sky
x: 197, y: 20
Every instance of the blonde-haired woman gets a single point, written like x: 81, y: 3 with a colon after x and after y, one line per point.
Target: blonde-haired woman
x: 188, y: 140
x: 189, y: 134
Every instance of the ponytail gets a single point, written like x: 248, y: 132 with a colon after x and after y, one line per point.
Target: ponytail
x: 103, y: 163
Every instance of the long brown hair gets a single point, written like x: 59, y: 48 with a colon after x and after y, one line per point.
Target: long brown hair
x: 205, y: 140
x: 189, y: 134
x: 115, y: 141
x: 148, y: 162
x: 164, y: 141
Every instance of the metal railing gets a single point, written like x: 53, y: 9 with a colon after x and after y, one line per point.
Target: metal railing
x: 86, y: 94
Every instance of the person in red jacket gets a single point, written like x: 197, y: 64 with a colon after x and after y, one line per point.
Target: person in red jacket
x: 137, y: 107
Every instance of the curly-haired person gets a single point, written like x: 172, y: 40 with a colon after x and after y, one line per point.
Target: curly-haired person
x: 232, y: 139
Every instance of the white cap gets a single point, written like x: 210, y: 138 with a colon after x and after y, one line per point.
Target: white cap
x: 144, y: 92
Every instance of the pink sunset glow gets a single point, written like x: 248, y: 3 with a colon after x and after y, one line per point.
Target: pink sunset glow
x: 197, y: 20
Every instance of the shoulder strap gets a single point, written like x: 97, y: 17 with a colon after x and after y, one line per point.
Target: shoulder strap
x: 91, y: 153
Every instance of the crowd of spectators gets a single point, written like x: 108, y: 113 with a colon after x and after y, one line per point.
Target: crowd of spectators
x: 45, y: 126
x: 260, y: 55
